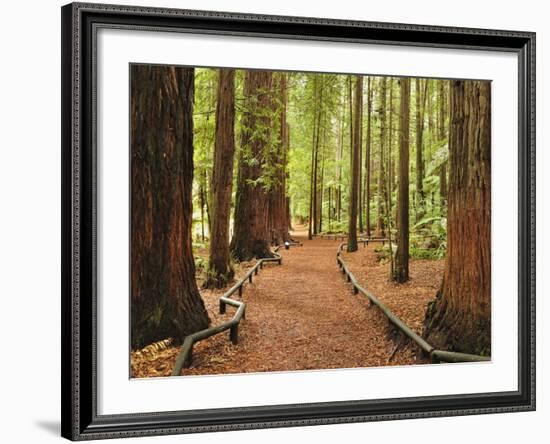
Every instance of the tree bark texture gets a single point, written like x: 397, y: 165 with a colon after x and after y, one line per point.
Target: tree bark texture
x: 220, y: 271
x: 380, y: 226
x: 420, y: 103
x: 278, y: 217
x: 312, y: 223
x: 401, y: 267
x: 165, y: 300
x: 368, y: 171
x: 442, y: 134
x: 355, y: 165
x: 460, y: 317
x: 251, y: 224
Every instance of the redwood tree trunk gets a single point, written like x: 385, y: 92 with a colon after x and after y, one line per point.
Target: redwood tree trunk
x: 312, y: 223
x: 420, y: 107
x: 442, y: 134
x: 380, y: 226
x: 220, y: 270
x: 355, y: 165
x: 251, y: 228
x: 165, y: 300
x: 460, y: 317
x: 278, y: 208
x: 370, y: 85
x: 401, y: 267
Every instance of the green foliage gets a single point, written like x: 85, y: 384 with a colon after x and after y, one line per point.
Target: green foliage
x: 427, y: 253
x: 327, y: 95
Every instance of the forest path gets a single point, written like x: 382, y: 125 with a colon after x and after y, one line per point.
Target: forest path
x: 301, y: 315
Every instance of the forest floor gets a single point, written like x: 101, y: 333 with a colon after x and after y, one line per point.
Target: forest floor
x: 302, y: 315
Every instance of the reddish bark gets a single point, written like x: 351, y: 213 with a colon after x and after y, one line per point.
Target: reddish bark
x: 165, y: 300
x: 278, y: 205
x: 355, y: 165
x: 251, y: 229
x: 220, y: 270
x: 401, y: 268
x: 460, y: 317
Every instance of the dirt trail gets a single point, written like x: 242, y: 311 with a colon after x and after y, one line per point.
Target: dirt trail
x: 301, y: 315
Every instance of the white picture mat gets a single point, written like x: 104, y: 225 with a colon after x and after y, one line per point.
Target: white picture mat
x: 118, y: 394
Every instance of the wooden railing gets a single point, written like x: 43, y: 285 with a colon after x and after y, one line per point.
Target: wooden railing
x: 185, y: 357
x: 435, y: 355
x: 335, y: 236
x: 361, y: 239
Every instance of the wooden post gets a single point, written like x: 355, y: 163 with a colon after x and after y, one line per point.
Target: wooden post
x: 250, y: 278
x: 189, y: 359
x: 234, y: 334
x: 241, y: 291
x: 222, y: 307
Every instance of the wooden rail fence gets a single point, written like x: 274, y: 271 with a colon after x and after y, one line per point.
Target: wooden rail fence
x: 185, y: 357
x: 435, y: 355
x: 361, y: 239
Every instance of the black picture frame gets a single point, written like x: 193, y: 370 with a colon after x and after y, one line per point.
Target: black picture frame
x: 79, y: 391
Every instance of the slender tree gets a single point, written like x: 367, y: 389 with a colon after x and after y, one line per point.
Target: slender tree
x: 338, y: 154
x: 368, y: 170
x: 420, y: 94
x: 442, y: 133
x: 360, y: 186
x: 165, y: 298
x: 388, y: 190
x: 355, y: 165
x: 380, y: 226
x: 278, y: 217
x: 460, y: 317
x: 311, y: 223
x: 320, y: 190
x: 401, y: 268
x: 314, y: 190
x: 251, y: 224
x: 220, y: 270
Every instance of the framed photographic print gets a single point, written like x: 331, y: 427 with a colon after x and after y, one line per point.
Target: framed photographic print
x: 275, y: 221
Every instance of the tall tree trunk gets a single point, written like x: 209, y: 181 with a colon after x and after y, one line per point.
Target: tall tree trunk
x: 251, y: 226
x: 329, y: 208
x: 370, y: 86
x: 311, y: 221
x: 202, y: 202
x: 314, y: 220
x: 165, y: 298
x: 287, y: 180
x: 401, y: 268
x: 360, y: 187
x: 321, y: 185
x: 220, y: 270
x: 420, y: 107
x: 339, y: 152
x: 206, y: 200
x: 316, y: 165
x: 460, y: 317
x: 380, y: 226
x: 278, y: 217
x: 388, y: 189
x: 441, y: 136
x: 355, y: 165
